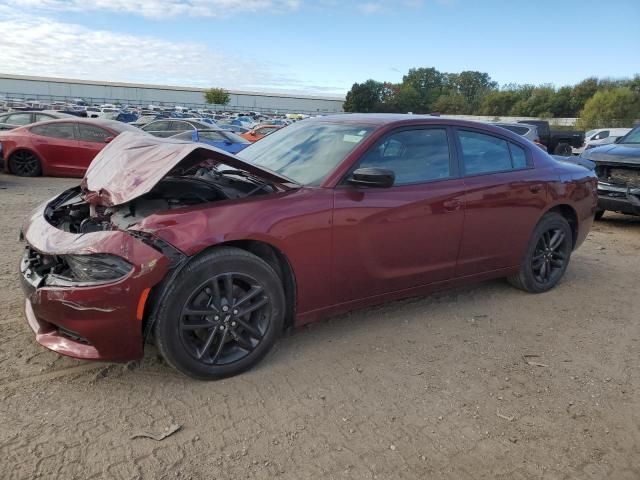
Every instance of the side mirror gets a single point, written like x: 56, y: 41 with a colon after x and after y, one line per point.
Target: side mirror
x: 372, y: 177
x: 108, y: 139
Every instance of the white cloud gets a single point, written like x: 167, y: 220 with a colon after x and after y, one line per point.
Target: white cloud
x: 388, y: 6
x: 159, y: 9
x: 45, y: 47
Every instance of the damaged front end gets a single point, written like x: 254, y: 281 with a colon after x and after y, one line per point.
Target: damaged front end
x: 619, y: 187
x: 87, y: 272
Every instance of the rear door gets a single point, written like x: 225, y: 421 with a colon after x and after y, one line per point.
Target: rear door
x: 56, y: 145
x: 504, y: 198
x: 391, y: 239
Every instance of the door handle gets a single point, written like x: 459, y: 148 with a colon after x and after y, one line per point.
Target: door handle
x: 535, y: 188
x: 451, y: 205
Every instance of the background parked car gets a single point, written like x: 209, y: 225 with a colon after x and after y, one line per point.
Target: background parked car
x: 12, y: 120
x: 260, y: 132
x: 558, y: 142
x: 618, y: 170
x: 63, y: 147
x: 233, y: 128
x: 601, y: 136
x: 217, y: 137
x: 527, y: 131
x: 170, y: 127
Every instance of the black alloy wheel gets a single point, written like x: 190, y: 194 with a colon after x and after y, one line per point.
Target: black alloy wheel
x: 224, y: 319
x: 25, y: 164
x: 547, y: 255
x: 222, y: 314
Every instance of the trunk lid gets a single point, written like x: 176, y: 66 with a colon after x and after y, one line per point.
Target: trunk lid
x: 132, y: 164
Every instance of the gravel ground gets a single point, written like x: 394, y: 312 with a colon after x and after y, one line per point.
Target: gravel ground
x: 435, y: 387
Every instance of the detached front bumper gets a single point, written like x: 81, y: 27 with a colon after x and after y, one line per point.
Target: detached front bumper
x: 97, y: 322
x: 619, y: 199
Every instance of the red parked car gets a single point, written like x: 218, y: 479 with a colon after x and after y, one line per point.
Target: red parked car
x: 62, y: 147
x: 214, y: 254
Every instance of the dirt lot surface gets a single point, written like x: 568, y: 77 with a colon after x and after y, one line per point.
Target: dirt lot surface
x: 435, y: 387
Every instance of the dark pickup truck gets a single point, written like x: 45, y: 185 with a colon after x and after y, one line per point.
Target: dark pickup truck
x: 558, y: 142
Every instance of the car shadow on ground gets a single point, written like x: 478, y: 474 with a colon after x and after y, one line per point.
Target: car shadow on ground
x: 309, y: 343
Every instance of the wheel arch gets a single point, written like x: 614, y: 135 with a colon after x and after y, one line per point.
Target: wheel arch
x: 263, y: 250
x: 570, y: 214
x: 279, y: 262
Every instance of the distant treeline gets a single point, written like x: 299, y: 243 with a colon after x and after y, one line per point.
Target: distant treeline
x: 598, y: 102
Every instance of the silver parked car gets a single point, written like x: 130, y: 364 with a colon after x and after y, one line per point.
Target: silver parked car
x: 527, y: 131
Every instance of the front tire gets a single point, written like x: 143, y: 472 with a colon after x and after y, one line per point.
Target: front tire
x: 599, y: 214
x: 547, y: 255
x: 221, y: 315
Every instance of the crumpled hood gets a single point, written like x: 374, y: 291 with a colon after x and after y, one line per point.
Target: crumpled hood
x: 614, y: 153
x: 132, y: 164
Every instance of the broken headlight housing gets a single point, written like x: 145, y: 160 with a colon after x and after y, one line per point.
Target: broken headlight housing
x: 96, y: 268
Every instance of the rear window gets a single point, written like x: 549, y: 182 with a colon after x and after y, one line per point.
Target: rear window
x: 55, y: 130
x: 516, y: 129
x: 488, y: 154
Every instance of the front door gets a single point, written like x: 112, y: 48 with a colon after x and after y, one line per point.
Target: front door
x: 391, y: 239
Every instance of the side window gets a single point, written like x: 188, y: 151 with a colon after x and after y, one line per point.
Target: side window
x: 414, y: 155
x: 180, y: 127
x: 157, y: 126
x: 91, y: 133
x: 19, y: 119
x: 483, y: 153
x: 601, y: 135
x: 212, y: 136
x: 41, y: 117
x: 518, y: 156
x: 55, y: 130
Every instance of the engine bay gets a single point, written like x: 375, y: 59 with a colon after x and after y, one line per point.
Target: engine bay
x: 71, y: 213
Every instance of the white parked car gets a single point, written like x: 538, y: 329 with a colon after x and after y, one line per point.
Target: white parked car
x: 601, y: 136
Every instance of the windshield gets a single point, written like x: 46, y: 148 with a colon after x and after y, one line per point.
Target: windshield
x: 632, y: 137
x: 306, y: 151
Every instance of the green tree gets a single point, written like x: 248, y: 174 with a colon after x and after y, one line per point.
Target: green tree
x: 428, y: 83
x: 364, y: 97
x: 217, y: 96
x: 498, y: 103
x: 561, y: 105
x: 582, y: 92
x: 452, y: 103
x: 473, y: 87
x: 617, y: 107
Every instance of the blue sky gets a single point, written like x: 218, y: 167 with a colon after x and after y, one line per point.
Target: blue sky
x: 317, y: 47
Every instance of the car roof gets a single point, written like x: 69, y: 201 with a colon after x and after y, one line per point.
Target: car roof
x: 402, y: 119
x: 112, y: 124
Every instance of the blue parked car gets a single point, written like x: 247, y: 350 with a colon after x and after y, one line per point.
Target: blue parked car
x: 222, y: 139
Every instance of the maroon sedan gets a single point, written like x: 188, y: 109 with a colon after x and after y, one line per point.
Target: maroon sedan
x: 62, y: 147
x: 213, y: 255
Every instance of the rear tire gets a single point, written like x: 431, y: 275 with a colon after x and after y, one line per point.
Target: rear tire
x: 221, y: 315
x: 24, y: 163
x: 547, y: 255
x: 599, y: 214
x: 563, y: 149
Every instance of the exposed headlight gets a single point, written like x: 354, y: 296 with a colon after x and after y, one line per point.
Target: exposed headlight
x: 96, y: 268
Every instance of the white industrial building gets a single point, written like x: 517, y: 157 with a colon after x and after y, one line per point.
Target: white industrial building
x: 64, y: 89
